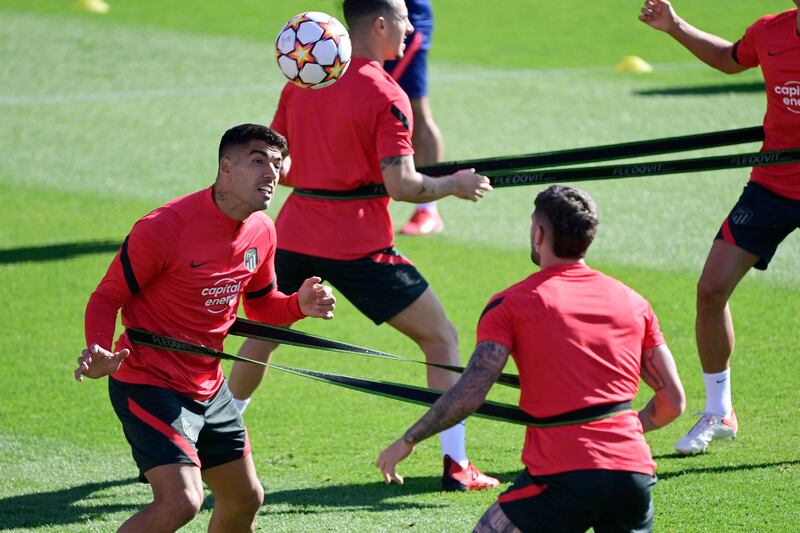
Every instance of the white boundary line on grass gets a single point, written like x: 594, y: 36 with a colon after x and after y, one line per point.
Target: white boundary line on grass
x: 117, y: 96
x: 453, y: 74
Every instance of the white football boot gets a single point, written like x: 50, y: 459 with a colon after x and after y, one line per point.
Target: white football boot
x: 710, y: 427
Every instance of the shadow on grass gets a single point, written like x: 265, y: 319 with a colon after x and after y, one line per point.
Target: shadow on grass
x: 60, y: 507
x: 360, y: 497
x: 725, y: 468
x: 55, y: 252
x: 706, y: 90
x: 673, y: 455
x: 80, y: 504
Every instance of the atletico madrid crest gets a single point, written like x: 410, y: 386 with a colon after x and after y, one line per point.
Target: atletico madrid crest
x: 251, y: 259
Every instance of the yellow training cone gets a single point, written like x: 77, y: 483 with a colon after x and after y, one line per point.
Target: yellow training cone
x: 92, y: 6
x: 634, y: 64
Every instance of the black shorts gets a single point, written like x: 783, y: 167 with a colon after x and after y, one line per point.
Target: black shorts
x: 379, y: 285
x: 606, y: 500
x: 759, y: 221
x: 165, y: 427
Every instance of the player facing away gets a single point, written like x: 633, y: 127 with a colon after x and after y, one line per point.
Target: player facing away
x: 411, y: 72
x: 768, y: 209
x: 181, y: 272
x: 581, y: 340
x: 344, y: 140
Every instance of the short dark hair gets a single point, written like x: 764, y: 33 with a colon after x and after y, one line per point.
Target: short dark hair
x: 355, y: 10
x: 573, y: 216
x: 244, y: 133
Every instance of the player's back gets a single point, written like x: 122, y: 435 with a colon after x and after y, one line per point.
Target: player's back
x: 577, y: 338
x: 337, y: 138
x: 335, y: 134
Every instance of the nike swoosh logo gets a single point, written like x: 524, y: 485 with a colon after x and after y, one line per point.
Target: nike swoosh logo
x: 196, y: 265
x: 721, y: 380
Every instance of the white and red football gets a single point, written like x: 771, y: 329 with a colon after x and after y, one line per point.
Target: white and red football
x: 313, y: 49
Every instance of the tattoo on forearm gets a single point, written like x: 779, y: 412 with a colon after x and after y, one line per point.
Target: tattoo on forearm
x: 428, y: 186
x: 650, y: 372
x: 393, y: 161
x: 466, y: 396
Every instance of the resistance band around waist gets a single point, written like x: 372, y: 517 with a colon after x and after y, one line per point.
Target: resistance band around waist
x: 398, y: 391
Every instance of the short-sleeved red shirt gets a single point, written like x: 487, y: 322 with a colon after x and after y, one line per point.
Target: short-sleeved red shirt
x: 337, y: 138
x: 772, y: 42
x: 181, y: 273
x: 577, y: 337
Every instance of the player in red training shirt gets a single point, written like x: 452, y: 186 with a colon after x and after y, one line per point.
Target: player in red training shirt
x: 344, y: 140
x: 767, y: 211
x: 580, y: 340
x: 181, y: 272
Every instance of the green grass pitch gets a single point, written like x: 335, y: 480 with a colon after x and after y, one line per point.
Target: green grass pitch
x: 105, y: 117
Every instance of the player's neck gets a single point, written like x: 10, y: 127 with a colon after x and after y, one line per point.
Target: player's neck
x: 548, y: 260
x: 368, y: 49
x: 229, y: 206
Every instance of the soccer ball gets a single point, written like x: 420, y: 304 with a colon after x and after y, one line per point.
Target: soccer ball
x: 313, y: 50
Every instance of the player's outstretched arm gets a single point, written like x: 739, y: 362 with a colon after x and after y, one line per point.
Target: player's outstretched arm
x: 461, y: 400
x: 660, y: 373
x: 315, y: 299
x: 405, y: 184
x: 96, y: 362
x: 708, y: 48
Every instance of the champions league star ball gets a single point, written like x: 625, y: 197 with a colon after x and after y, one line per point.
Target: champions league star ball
x: 313, y: 50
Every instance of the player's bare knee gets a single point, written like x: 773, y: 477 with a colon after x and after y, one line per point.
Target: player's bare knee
x: 711, y: 295
x: 192, y: 501
x: 181, y: 507
x: 256, y: 349
x: 450, y: 334
x: 253, y: 501
x: 443, y: 335
x: 244, y: 501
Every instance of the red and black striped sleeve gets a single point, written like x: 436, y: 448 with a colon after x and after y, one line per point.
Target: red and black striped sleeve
x: 496, y: 323
x: 142, y: 256
x: 745, y: 50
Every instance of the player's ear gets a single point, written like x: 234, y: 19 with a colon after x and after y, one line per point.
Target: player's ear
x: 225, y: 166
x: 379, y: 25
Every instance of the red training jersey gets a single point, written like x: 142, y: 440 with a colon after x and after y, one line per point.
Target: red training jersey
x: 773, y: 43
x: 180, y: 272
x: 337, y: 138
x: 577, y: 337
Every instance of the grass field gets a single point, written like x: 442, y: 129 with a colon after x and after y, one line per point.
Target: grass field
x: 106, y: 117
